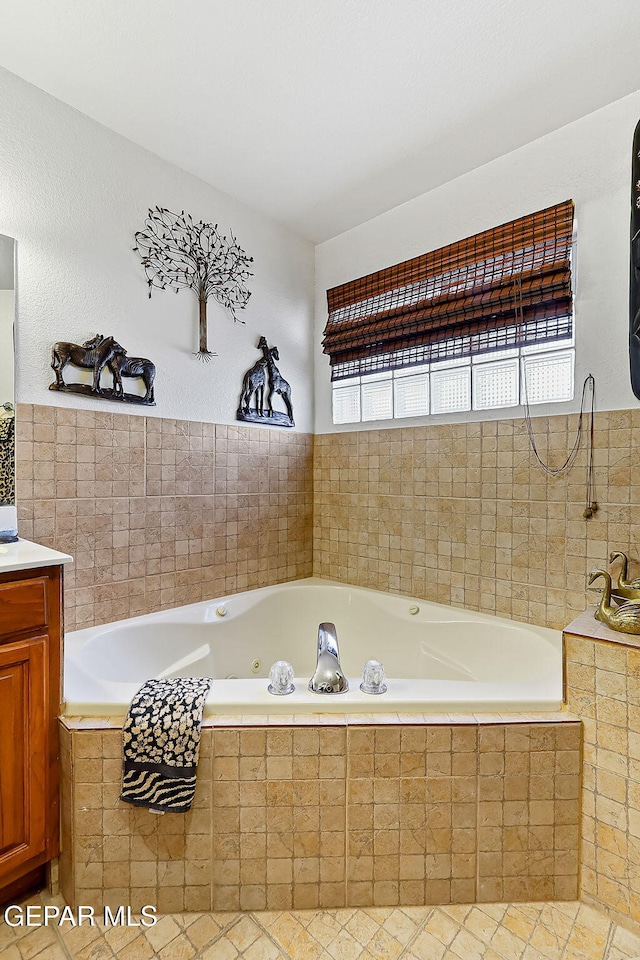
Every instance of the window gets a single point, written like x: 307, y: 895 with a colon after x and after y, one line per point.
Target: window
x: 481, y: 324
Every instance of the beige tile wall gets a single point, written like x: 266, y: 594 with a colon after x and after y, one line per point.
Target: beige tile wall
x: 327, y: 816
x: 603, y: 687
x: 462, y: 513
x: 162, y: 512
x: 279, y: 824
x: 158, y: 512
x: 113, y: 852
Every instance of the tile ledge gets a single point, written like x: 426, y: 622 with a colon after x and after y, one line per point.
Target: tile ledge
x: 344, y: 720
x: 586, y: 627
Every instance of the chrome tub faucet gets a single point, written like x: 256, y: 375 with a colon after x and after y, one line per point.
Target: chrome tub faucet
x: 328, y: 676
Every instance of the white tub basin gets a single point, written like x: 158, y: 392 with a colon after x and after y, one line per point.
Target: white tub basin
x: 439, y: 659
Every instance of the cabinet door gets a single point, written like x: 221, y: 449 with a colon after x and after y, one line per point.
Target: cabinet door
x: 23, y: 753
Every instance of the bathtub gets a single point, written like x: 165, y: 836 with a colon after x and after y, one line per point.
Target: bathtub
x: 438, y: 659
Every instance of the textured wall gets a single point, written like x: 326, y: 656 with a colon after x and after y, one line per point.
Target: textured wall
x: 73, y: 194
x: 588, y: 161
x: 462, y: 514
x: 158, y: 513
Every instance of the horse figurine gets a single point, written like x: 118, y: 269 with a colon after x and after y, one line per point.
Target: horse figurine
x: 123, y: 366
x: 255, y: 381
x: 95, y: 354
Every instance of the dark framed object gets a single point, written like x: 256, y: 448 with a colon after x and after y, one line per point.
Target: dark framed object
x: 634, y: 268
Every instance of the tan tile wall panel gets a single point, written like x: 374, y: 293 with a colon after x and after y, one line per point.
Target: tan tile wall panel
x: 65, y: 861
x: 413, y: 811
x: 123, y: 854
x: 603, y: 687
x: 279, y: 825
x: 301, y: 818
x: 529, y: 805
x: 463, y: 514
x: 157, y: 512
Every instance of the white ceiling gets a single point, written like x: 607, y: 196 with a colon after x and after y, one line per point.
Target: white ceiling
x: 325, y: 113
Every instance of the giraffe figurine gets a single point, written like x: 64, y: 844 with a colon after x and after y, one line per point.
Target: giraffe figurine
x: 255, y: 381
x: 265, y: 378
x: 277, y: 384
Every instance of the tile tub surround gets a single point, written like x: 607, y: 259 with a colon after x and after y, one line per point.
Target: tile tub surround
x: 462, y: 513
x: 326, y: 816
x: 157, y: 512
x: 162, y: 512
x: 603, y: 688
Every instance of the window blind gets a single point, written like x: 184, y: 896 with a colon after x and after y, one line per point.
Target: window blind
x: 509, y: 286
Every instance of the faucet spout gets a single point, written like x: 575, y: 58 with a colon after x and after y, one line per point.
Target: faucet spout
x: 328, y: 676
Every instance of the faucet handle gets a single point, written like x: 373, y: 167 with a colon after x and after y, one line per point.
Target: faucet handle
x: 373, y: 677
x: 281, y: 677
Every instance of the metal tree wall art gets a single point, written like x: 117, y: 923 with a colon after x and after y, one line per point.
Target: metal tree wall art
x: 178, y: 252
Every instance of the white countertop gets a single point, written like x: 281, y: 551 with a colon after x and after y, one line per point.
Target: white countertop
x: 23, y: 555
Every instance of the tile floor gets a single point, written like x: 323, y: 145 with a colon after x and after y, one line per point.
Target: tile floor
x: 501, y: 931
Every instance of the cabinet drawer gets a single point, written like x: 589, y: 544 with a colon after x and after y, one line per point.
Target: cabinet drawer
x: 23, y: 606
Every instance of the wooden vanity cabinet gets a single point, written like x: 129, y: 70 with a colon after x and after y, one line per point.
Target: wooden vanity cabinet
x: 30, y: 674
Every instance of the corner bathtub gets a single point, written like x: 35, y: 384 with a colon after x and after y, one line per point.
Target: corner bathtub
x: 437, y: 658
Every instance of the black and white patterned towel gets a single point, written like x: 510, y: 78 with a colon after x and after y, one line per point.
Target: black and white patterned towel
x: 161, y: 740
